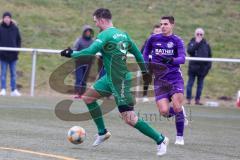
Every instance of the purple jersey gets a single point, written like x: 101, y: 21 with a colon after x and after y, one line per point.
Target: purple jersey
x: 168, y: 78
x: 160, y: 46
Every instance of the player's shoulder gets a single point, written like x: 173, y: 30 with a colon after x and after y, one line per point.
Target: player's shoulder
x: 119, y: 33
x: 103, y: 35
x: 176, y: 37
x: 112, y: 33
x: 112, y: 30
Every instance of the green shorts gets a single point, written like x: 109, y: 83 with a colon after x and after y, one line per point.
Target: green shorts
x: 120, y: 90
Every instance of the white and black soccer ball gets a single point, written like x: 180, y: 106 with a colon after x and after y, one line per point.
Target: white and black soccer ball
x: 76, y: 135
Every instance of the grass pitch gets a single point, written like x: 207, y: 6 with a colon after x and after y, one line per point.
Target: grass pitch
x: 30, y: 125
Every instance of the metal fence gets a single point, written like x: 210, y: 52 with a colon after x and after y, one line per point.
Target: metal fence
x: 34, y: 53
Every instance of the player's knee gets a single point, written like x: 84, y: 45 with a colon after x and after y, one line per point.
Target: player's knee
x: 177, y: 106
x: 87, y: 99
x: 130, y: 122
x: 164, y: 112
x: 177, y: 101
x: 177, y: 109
x: 129, y: 118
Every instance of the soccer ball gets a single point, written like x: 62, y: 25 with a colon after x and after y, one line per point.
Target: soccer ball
x: 76, y: 135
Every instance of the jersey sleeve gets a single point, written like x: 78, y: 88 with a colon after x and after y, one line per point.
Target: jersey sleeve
x: 95, y: 47
x: 180, y: 59
x: 138, y: 56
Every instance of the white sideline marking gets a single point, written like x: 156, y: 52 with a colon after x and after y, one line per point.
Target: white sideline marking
x: 38, y: 153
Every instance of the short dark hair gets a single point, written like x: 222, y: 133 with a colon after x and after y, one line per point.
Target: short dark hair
x: 156, y: 26
x: 103, y: 13
x: 170, y: 18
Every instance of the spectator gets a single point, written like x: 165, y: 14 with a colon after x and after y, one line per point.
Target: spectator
x: 82, y: 42
x: 9, y: 37
x: 197, y: 47
x: 156, y: 30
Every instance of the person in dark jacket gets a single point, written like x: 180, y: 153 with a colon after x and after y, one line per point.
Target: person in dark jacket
x: 9, y: 37
x: 198, y: 47
x: 81, y: 74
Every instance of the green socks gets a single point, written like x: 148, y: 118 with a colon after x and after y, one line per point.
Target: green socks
x: 96, y: 114
x: 141, y: 125
x: 147, y: 130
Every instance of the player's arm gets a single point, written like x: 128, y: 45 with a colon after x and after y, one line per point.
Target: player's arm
x: 180, y: 59
x: 147, y: 77
x: 91, y: 50
x: 138, y: 56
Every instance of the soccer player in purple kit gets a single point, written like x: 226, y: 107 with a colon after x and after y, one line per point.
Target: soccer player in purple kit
x: 168, y: 53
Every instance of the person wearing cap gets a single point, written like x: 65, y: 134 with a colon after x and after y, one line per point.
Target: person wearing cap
x: 9, y: 37
x: 198, y: 47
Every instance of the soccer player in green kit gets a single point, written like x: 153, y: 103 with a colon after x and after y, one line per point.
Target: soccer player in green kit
x: 114, y: 45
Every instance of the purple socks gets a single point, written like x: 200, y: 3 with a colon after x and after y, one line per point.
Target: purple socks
x: 179, y: 120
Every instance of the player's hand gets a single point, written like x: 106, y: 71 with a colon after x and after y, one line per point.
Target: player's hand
x: 67, y: 52
x: 147, y: 77
x: 167, y: 60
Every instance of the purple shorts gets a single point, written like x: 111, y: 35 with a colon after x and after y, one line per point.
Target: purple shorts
x: 167, y: 88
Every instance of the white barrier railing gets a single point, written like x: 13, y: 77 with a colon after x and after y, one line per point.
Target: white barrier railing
x: 34, y: 53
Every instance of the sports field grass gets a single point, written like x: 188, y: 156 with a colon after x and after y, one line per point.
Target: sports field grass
x: 29, y: 130
x: 55, y: 24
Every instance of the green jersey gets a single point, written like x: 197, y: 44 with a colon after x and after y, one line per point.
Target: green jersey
x: 114, y: 45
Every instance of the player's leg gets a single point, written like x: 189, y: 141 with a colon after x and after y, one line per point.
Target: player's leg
x: 175, y: 110
x: 90, y: 97
x: 164, y: 109
x: 168, y: 111
x: 131, y: 119
x: 161, y: 91
x: 177, y: 100
x: 162, y: 100
x: 125, y: 103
